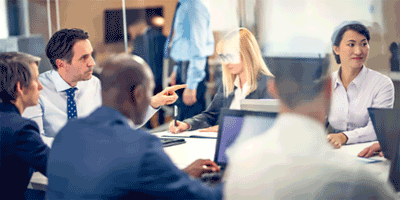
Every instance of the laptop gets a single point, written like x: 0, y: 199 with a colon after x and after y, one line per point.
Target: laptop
x: 237, y: 124
x: 260, y: 105
x: 387, y: 128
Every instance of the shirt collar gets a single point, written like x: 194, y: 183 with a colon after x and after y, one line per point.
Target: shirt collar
x: 117, y: 114
x: 60, y: 83
x: 357, y: 81
x: 129, y: 122
x: 236, y: 83
x: 360, y: 77
x: 336, y: 79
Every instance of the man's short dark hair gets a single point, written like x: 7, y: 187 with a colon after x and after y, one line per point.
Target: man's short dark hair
x: 13, y: 70
x: 61, y: 43
x: 300, y: 81
x: 123, y: 71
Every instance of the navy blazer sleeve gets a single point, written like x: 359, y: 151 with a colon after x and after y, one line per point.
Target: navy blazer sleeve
x: 31, y: 148
x: 210, y: 116
x: 161, y: 179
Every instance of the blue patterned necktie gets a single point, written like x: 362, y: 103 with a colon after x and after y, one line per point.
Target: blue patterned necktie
x: 71, y: 105
x: 166, y: 49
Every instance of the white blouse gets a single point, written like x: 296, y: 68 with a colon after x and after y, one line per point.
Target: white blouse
x: 349, y: 109
x: 240, y: 93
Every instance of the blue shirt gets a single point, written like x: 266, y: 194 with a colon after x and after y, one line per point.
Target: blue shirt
x: 193, y: 39
x: 51, y: 112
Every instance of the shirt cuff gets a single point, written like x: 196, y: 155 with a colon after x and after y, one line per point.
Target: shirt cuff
x: 351, y: 137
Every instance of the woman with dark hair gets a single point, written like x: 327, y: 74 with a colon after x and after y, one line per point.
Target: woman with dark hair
x: 355, y: 87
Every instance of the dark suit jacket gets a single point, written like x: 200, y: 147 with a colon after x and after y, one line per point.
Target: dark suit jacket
x: 22, y: 150
x: 150, y: 47
x: 210, y: 116
x: 102, y: 157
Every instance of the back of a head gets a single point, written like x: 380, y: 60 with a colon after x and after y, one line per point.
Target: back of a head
x: 124, y: 72
x: 14, y: 68
x: 61, y: 43
x: 300, y: 81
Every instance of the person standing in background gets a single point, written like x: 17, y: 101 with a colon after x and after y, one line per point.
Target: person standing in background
x: 148, y: 43
x: 190, y: 42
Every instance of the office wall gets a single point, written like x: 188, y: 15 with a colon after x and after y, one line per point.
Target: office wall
x: 3, y: 20
x: 280, y: 20
x: 304, y: 28
x: 88, y: 15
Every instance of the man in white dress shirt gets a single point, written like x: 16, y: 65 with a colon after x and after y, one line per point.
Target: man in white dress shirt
x: 69, y: 90
x: 293, y: 160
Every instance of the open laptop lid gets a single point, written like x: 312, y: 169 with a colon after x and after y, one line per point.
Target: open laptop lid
x: 387, y: 128
x: 260, y: 105
x: 231, y: 122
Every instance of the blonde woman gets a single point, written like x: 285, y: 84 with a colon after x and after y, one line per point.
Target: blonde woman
x: 244, y: 76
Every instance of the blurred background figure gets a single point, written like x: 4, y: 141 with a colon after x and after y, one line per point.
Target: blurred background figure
x: 157, y: 22
x: 148, y: 43
x: 189, y: 43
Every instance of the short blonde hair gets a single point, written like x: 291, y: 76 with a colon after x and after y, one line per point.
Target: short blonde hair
x: 251, y: 57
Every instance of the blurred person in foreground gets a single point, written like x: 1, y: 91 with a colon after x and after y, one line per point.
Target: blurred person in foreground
x: 293, y: 160
x: 103, y: 156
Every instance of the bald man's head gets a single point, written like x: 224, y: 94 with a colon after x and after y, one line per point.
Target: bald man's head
x: 127, y: 85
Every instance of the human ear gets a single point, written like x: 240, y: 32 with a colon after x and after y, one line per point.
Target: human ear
x: 336, y: 50
x: 60, y: 63
x: 272, y: 89
x: 138, y: 95
x: 19, y: 88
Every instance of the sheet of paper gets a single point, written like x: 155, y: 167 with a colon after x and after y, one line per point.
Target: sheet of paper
x: 191, y: 134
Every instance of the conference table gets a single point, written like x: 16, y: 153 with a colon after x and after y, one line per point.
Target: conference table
x: 204, y: 148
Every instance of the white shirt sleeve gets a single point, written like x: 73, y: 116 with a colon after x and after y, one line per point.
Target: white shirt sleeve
x: 383, y: 99
x: 150, y: 112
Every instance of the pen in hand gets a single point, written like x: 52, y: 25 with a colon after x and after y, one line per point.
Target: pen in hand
x: 175, y: 115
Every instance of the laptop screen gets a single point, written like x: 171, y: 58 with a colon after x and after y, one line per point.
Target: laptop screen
x: 232, y: 123
x: 231, y: 127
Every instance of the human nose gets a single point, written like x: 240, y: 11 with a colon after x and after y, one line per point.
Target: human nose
x: 40, y: 86
x: 357, y: 50
x: 91, y: 62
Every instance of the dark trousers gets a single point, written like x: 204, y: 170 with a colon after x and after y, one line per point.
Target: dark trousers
x: 185, y: 111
